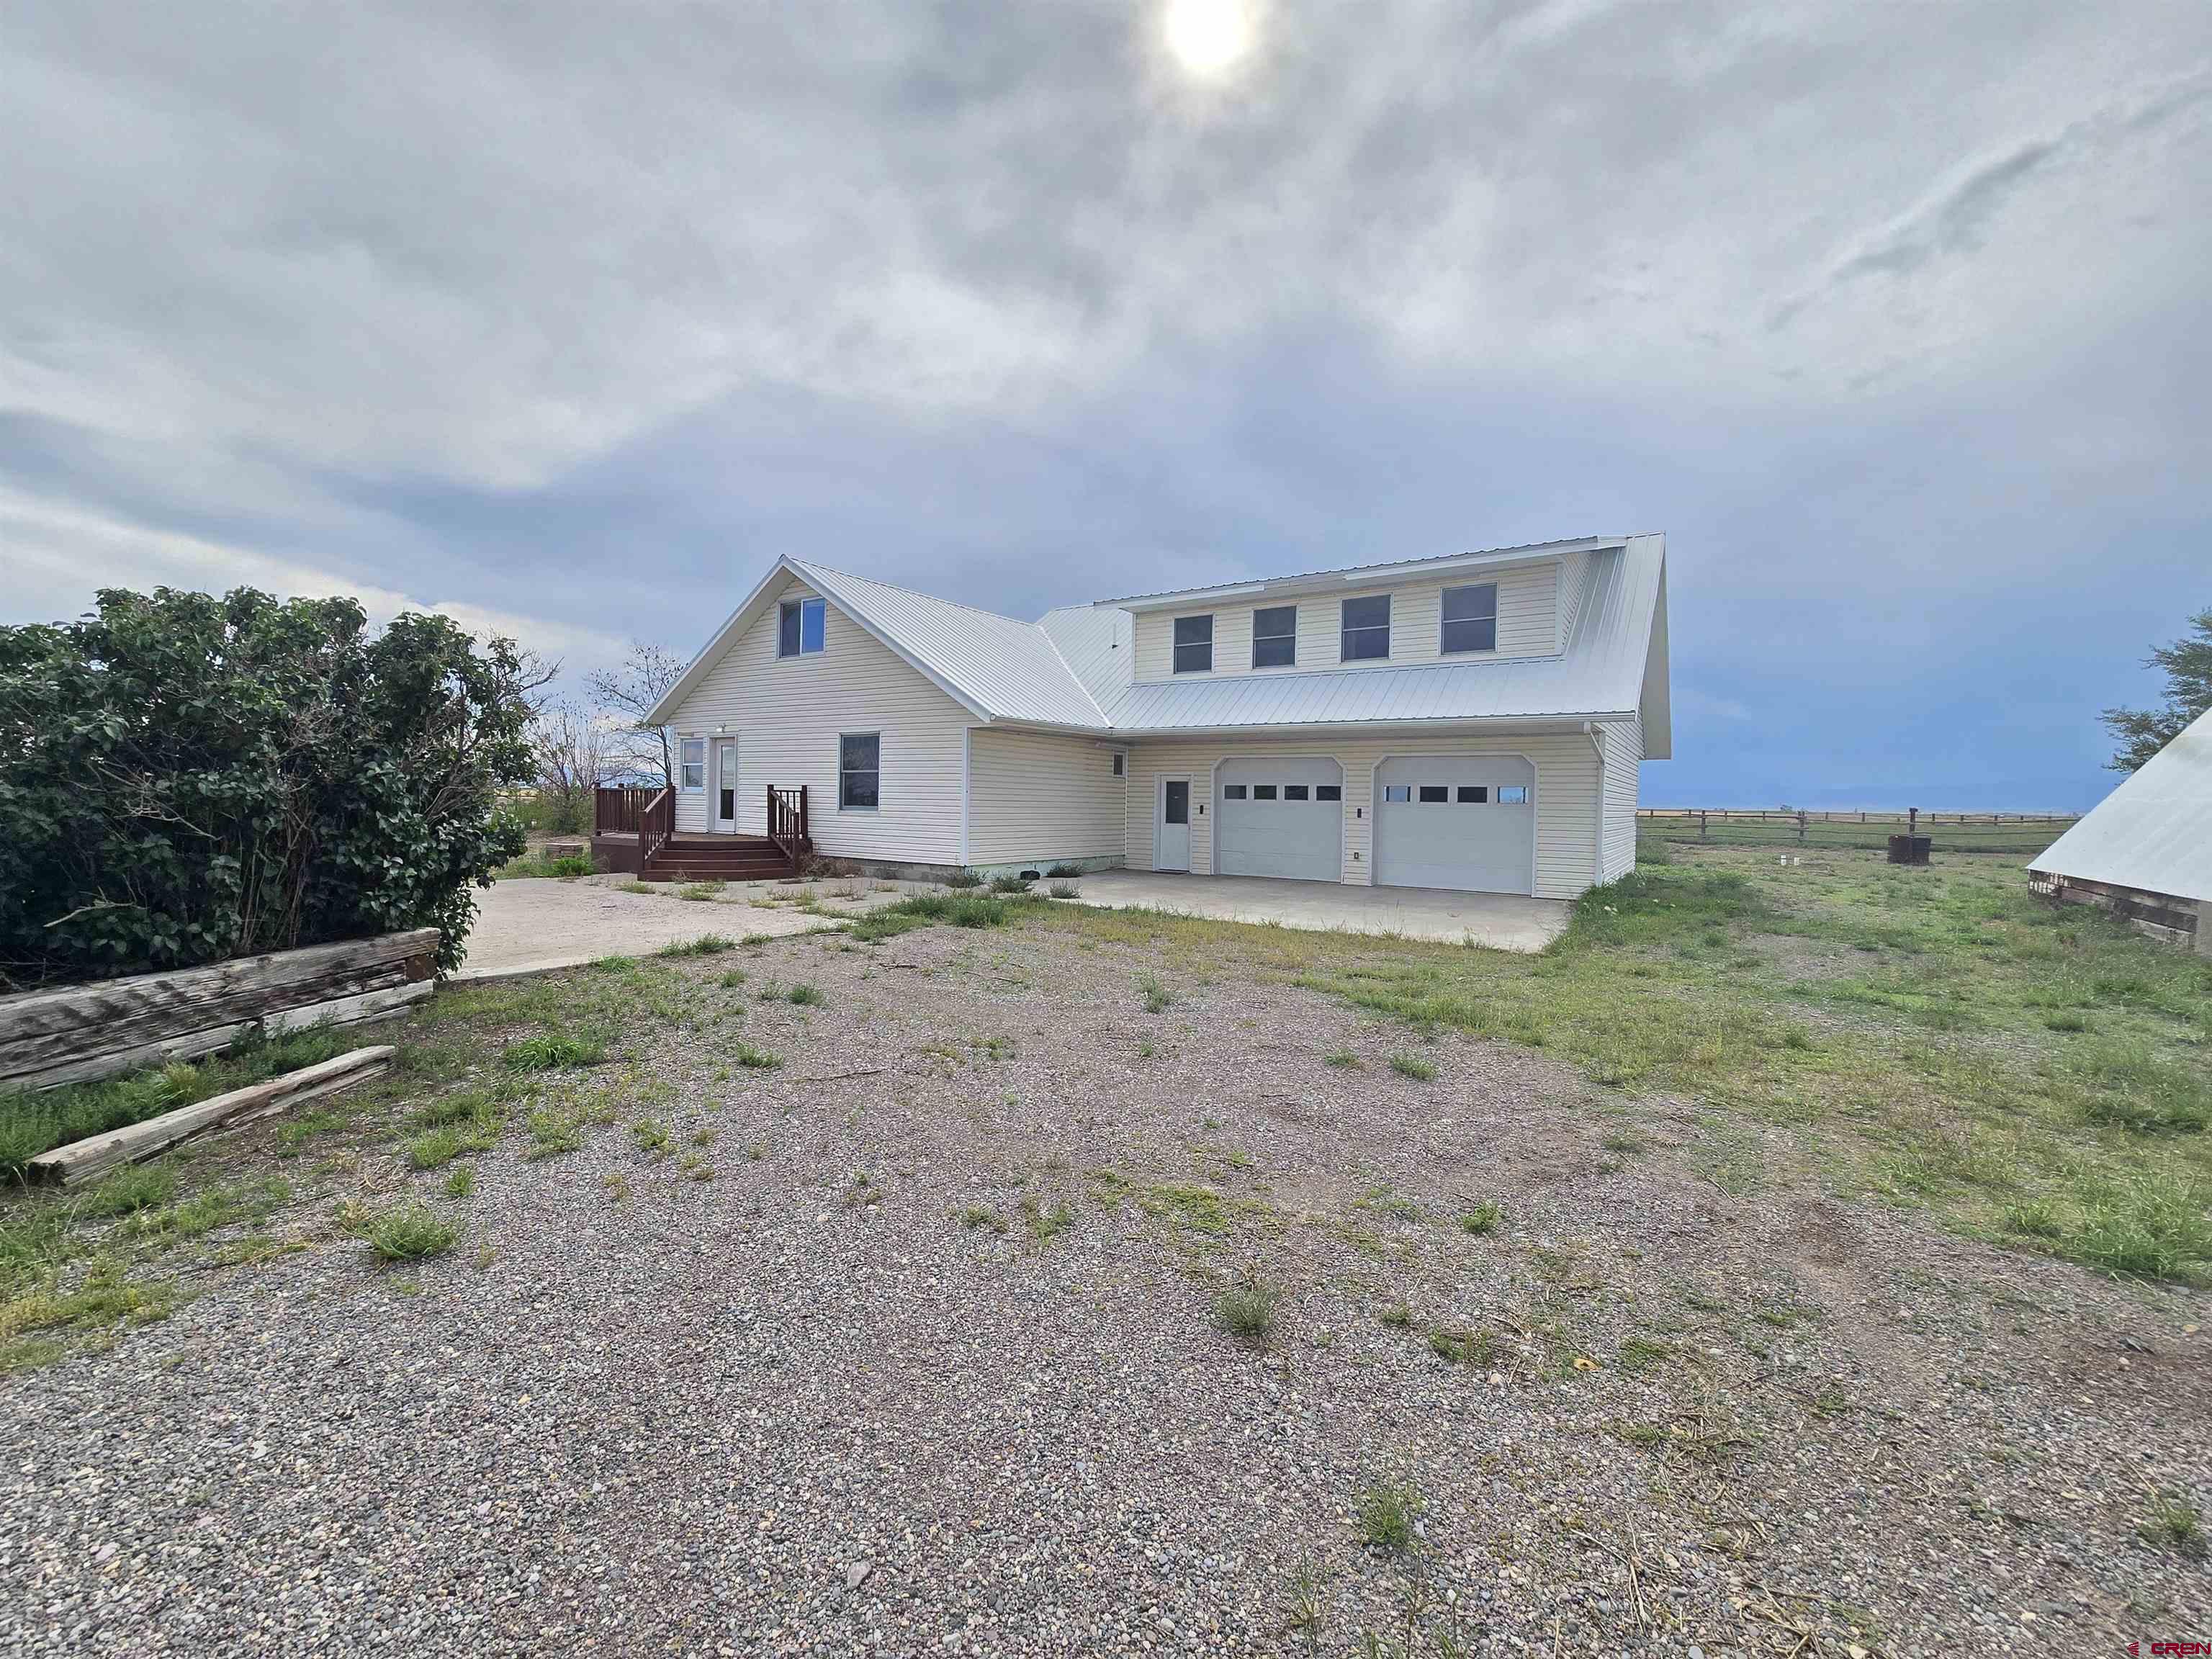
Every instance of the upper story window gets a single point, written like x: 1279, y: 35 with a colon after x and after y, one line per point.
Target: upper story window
x: 691, y: 764
x: 1275, y: 636
x: 1366, y: 628
x: 799, y: 627
x: 1470, y: 618
x: 1193, y: 645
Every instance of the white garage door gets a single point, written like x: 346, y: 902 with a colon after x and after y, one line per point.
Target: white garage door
x: 1462, y: 821
x: 1278, y: 817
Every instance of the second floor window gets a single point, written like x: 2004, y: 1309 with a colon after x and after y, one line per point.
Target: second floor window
x: 799, y: 627
x: 1275, y: 637
x: 1193, y: 645
x: 1470, y: 618
x: 1366, y: 628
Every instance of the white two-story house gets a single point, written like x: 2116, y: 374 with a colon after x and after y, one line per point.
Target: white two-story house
x: 1473, y: 722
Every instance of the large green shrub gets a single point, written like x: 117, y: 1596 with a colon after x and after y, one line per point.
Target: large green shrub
x: 184, y: 778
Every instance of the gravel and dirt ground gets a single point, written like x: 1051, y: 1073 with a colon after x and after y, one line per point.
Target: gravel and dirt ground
x: 890, y: 1320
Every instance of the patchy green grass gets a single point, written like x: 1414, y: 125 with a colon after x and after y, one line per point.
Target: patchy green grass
x: 1046, y: 1224
x: 566, y: 868
x: 925, y: 909
x: 1936, y: 1037
x: 553, y: 1051
x: 707, y: 945
x: 1385, y: 1517
x: 409, y: 1231
x: 32, y: 1123
x: 1247, y: 1310
x: 1418, y: 1067
x: 1482, y: 1220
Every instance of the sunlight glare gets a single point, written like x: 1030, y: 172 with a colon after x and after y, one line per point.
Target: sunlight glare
x: 1208, y: 36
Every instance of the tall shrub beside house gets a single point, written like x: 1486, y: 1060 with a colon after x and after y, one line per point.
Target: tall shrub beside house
x: 184, y: 778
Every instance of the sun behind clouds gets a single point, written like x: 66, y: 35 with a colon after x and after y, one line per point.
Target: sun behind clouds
x: 1208, y: 37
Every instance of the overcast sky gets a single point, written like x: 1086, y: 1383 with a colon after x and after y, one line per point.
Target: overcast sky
x: 567, y: 318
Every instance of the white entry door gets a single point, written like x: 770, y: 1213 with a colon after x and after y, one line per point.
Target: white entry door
x: 726, y: 786
x: 1462, y: 821
x: 1279, y: 818
x: 1171, y: 829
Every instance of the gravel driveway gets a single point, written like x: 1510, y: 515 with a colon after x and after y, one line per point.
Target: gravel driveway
x: 821, y: 1403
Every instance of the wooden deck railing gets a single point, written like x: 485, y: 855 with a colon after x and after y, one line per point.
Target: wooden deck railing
x: 786, y: 821
x: 618, y: 811
x: 655, y: 825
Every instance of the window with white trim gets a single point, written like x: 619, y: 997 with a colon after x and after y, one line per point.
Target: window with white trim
x: 691, y: 766
x: 1470, y: 619
x: 859, y: 771
x: 1120, y: 763
x: 799, y: 627
x: 1512, y: 794
x: 1366, y: 628
x: 1193, y: 645
x: 1275, y: 636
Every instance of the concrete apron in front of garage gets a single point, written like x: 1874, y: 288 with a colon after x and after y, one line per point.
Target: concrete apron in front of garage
x: 1502, y: 921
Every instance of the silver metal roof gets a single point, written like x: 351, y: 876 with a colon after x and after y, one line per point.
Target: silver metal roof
x: 1601, y: 673
x: 1074, y: 670
x: 2155, y: 832
x: 1007, y: 670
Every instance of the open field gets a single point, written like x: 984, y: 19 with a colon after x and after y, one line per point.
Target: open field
x: 1793, y: 1260
x: 1972, y: 832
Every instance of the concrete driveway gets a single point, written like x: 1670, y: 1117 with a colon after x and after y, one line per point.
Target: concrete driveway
x: 1501, y: 921
x: 533, y: 924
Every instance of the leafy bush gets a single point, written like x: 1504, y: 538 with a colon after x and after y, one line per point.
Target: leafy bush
x: 185, y: 779
x: 964, y: 878
x: 1065, y: 870
x: 1004, y: 885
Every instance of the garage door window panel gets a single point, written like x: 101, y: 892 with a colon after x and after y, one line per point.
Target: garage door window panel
x: 1232, y: 791
x: 1328, y: 792
x: 1418, y: 843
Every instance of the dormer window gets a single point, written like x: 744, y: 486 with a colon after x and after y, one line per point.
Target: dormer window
x: 1470, y: 618
x: 1366, y: 631
x: 799, y: 627
x: 1193, y: 645
x: 1275, y: 637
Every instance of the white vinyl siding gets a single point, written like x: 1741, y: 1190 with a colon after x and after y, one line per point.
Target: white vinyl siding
x: 1566, y: 793
x: 1033, y: 797
x: 787, y: 713
x: 1527, y: 625
x: 1623, y: 755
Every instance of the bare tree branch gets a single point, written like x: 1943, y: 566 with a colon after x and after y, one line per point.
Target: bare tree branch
x: 630, y: 694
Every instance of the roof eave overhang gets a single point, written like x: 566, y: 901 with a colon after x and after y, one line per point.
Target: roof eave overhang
x: 1487, y: 723
x: 1345, y: 581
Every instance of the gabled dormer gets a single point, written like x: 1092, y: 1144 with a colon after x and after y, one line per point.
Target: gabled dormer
x: 1515, y: 605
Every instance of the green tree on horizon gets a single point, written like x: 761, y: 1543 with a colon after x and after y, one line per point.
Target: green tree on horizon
x: 2187, y: 665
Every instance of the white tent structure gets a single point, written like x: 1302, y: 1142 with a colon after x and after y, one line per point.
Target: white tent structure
x: 2146, y: 851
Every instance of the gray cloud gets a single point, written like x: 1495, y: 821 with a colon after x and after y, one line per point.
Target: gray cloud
x: 474, y: 303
